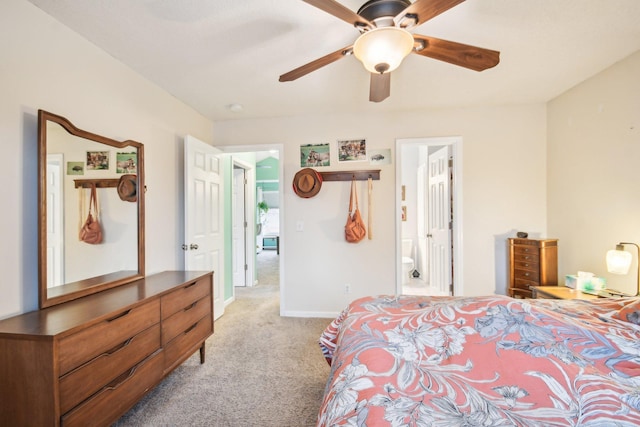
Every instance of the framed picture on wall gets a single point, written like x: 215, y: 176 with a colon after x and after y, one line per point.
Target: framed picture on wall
x: 97, y: 160
x: 75, y: 168
x: 404, y: 213
x: 314, y: 155
x: 352, y: 150
x: 126, y: 162
x: 380, y: 157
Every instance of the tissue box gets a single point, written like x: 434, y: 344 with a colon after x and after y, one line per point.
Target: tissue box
x: 585, y: 283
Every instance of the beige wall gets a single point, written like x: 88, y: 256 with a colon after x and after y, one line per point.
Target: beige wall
x: 504, y: 190
x: 593, y: 172
x: 46, y: 66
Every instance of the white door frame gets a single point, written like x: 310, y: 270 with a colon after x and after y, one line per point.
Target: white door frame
x: 280, y: 149
x: 249, y: 214
x: 457, y: 237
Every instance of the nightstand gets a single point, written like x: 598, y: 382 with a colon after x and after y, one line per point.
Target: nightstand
x: 560, y: 292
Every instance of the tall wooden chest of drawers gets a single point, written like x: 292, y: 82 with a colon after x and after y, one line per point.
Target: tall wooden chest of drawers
x: 87, y: 361
x: 532, y: 263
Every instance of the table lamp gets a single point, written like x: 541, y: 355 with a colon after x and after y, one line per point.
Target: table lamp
x: 619, y: 262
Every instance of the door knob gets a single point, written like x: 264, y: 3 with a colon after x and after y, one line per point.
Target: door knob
x: 185, y: 247
x: 193, y: 246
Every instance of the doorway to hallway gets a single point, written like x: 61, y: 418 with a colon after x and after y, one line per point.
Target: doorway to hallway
x: 261, y: 216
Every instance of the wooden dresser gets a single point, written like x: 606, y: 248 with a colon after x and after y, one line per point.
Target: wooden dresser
x: 532, y: 263
x: 88, y: 361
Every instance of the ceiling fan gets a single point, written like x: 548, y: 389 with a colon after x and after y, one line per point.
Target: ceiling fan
x: 385, y: 40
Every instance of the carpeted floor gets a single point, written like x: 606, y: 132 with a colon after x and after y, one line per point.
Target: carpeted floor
x: 261, y: 370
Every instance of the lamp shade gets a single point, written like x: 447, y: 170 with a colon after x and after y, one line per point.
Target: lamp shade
x: 618, y: 261
x: 381, y: 50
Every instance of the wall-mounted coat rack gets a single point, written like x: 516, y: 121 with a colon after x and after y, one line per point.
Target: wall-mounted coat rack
x: 361, y: 175
x: 99, y: 183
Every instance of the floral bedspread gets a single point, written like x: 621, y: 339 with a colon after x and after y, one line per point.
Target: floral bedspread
x: 481, y: 361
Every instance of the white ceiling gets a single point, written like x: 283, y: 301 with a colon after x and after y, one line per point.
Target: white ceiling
x: 214, y: 53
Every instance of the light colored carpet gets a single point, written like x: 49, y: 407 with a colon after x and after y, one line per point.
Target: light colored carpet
x: 261, y: 370
x: 268, y: 267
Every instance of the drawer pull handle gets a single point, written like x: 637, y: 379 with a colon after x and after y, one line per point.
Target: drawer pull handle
x: 526, y: 265
x: 190, y: 285
x: 124, y: 313
x: 191, y: 306
x: 118, y: 347
x: 526, y: 274
x: 121, y: 379
x: 191, y: 328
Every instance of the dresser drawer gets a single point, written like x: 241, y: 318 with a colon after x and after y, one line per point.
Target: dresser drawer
x: 525, y: 249
x: 185, y: 296
x: 83, y: 346
x: 179, y: 348
x: 525, y: 284
x: 118, y: 396
x: 520, y: 293
x: 84, y: 381
x: 526, y: 265
x: 526, y: 275
x: 527, y: 257
x: 183, y: 319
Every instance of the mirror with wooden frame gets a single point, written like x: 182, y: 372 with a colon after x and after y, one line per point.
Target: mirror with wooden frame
x: 70, y: 162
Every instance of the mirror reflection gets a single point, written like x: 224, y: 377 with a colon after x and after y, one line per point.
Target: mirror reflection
x: 72, y: 162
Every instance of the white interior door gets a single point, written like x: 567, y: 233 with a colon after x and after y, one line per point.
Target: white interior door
x: 204, y: 231
x: 239, y: 227
x: 55, y: 220
x: 421, y: 258
x: 439, y: 220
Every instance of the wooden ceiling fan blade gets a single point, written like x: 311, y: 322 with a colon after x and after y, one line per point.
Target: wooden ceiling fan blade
x: 426, y: 10
x: 336, y: 9
x: 472, y: 57
x: 380, y: 87
x: 314, y: 65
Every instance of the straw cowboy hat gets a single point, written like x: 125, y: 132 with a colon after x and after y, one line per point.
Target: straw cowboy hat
x: 128, y: 188
x: 307, y: 183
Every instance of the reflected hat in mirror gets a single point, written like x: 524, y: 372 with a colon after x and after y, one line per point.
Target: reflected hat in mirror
x: 128, y: 188
x: 307, y: 183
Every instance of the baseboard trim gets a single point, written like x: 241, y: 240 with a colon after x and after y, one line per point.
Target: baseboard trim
x: 315, y: 314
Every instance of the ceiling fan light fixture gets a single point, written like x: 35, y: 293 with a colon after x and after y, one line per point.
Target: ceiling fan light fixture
x: 382, y: 50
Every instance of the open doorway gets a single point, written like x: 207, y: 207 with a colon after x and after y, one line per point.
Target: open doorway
x: 429, y: 225
x: 257, y: 244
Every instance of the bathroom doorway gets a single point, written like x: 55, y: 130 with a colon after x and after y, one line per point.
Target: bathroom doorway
x: 429, y: 226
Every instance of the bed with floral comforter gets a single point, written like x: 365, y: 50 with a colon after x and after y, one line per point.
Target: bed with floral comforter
x: 483, y: 361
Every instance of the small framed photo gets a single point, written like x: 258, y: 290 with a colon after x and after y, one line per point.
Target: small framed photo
x: 404, y: 193
x: 380, y: 157
x: 404, y: 213
x: 126, y: 162
x: 352, y: 150
x: 314, y: 155
x: 75, y: 168
x: 97, y: 160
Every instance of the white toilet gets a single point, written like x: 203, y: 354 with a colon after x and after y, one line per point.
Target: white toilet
x: 407, y: 260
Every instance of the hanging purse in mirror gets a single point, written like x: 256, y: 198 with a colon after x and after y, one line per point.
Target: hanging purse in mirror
x: 91, y: 231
